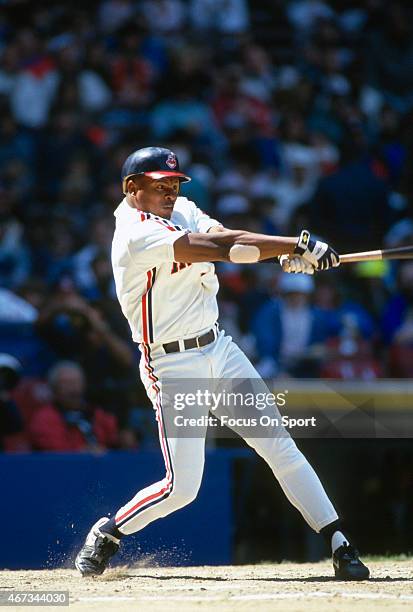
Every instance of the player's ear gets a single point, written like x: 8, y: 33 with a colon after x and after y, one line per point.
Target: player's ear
x: 131, y: 187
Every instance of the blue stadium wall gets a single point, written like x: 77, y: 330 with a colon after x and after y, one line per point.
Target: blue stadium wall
x: 50, y: 500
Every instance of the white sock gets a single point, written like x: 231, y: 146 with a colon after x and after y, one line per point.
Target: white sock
x: 337, y: 540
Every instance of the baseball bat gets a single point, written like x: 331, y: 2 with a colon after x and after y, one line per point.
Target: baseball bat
x: 405, y: 252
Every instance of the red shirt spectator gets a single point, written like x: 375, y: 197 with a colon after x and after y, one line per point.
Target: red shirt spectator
x: 69, y: 423
x: 50, y: 430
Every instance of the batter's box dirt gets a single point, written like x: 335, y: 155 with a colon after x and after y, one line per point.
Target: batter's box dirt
x: 284, y: 587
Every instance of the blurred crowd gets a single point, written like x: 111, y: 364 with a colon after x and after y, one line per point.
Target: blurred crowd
x: 287, y: 114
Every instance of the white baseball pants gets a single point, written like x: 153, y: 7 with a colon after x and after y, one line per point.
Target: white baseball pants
x: 184, y: 456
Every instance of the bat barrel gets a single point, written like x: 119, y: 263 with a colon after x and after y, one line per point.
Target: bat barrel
x: 405, y: 252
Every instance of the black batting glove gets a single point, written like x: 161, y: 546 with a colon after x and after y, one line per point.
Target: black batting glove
x: 318, y: 254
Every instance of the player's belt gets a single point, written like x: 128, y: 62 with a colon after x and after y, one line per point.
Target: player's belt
x: 190, y: 343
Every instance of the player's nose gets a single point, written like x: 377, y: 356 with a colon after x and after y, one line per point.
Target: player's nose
x: 170, y: 196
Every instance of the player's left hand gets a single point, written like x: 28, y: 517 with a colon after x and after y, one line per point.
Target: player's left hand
x: 320, y: 254
x: 294, y: 264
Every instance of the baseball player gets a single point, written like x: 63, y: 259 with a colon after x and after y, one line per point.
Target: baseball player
x: 162, y: 254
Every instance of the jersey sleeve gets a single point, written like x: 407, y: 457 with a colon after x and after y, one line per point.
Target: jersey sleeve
x: 151, y: 243
x: 203, y: 222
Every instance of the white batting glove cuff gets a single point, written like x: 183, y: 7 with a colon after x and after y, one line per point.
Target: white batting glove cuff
x: 296, y: 265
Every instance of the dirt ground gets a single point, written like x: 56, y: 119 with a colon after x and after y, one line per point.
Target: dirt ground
x: 287, y: 587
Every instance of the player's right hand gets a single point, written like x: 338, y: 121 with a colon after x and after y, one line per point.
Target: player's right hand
x: 321, y: 255
x: 294, y: 264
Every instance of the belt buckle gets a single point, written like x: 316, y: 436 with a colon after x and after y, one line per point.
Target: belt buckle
x: 197, y: 341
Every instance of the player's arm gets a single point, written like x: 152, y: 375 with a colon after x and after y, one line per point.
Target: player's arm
x: 293, y: 264
x: 216, y: 246
x: 240, y: 246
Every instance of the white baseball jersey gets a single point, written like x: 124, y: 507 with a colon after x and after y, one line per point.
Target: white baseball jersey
x: 162, y: 300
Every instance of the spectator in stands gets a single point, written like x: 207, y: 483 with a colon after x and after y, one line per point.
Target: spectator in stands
x: 70, y: 423
x: 75, y: 328
x: 398, y: 324
x: 289, y: 330
x: 397, y: 317
x: 131, y: 75
x: 36, y: 82
x: 95, y: 335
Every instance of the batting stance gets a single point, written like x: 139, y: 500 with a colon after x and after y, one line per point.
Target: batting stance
x: 162, y: 251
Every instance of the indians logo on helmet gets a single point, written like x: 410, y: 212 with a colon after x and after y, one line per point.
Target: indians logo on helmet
x: 171, y: 161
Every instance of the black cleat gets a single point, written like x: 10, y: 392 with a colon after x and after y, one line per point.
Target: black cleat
x: 94, y: 556
x: 347, y: 565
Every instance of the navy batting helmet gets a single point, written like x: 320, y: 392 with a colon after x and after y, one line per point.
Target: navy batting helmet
x: 155, y: 162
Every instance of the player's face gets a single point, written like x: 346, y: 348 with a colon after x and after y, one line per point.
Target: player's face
x: 158, y: 196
